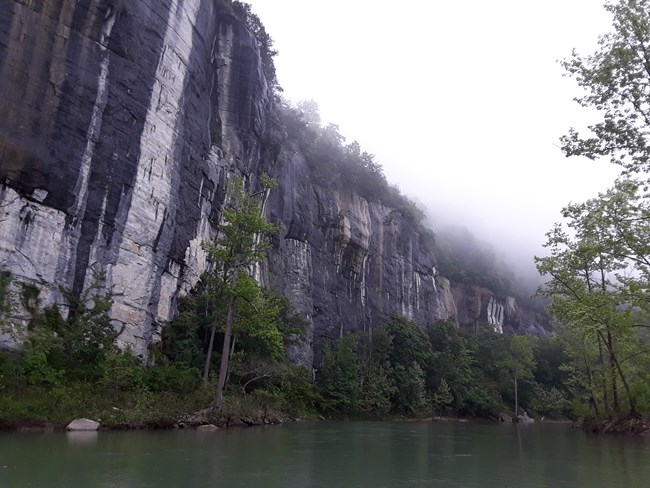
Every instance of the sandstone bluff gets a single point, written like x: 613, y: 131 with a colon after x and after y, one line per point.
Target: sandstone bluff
x: 122, y: 123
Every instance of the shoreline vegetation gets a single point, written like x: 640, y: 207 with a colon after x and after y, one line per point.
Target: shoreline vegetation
x: 71, y: 367
x: 402, y: 374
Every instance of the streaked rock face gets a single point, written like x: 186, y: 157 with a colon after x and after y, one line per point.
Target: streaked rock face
x: 121, y: 124
x: 112, y: 152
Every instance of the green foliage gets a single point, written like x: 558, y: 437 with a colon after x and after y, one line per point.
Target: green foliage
x: 5, y: 282
x: 599, y: 263
x: 617, y: 80
x: 242, y: 240
x: 258, y: 325
x: 174, y: 378
x: 408, y: 343
x: 550, y: 402
x: 241, y: 243
x: 599, y: 278
x: 410, y: 398
x: 121, y: 372
x: 185, y: 337
x: 42, y: 358
x: 377, y: 389
x: 337, y: 378
x: 451, y: 362
x: 402, y: 371
x: 442, y: 398
x: 29, y: 297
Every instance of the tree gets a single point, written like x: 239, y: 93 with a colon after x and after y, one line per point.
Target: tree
x: 500, y: 363
x: 337, y: 378
x: 241, y: 243
x: 599, y: 269
x: 309, y: 112
x: 409, y: 355
x: 617, y: 77
x: 442, y: 397
x: 520, y: 363
x: 451, y: 360
x: 598, y: 264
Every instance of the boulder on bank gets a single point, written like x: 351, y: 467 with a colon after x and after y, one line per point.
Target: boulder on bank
x: 207, y: 428
x: 524, y: 418
x: 82, y: 424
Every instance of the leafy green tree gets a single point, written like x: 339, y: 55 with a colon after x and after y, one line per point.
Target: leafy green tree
x: 520, y: 363
x: 451, y: 361
x: 183, y: 338
x: 549, y: 401
x: 309, y: 112
x: 409, y: 356
x: 442, y: 397
x: 377, y: 387
x: 617, y: 78
x: 500, y: 363
x: 338, y: 377
x: 599, y: 280
x: 598, y: 267
x: 5, y: 281
x: 549, y: 358
x: 408, y: 343
x: 240, y: 244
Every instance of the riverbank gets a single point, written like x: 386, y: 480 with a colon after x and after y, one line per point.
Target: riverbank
x: 630, y: 425
x: 49, y: 410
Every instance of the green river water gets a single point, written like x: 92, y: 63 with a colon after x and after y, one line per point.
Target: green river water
x: 329, y: 455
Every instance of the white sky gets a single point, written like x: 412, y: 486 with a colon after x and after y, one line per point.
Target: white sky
x: 462, y: 102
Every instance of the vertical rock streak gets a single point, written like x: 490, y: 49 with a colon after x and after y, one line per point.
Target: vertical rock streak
x: 152, y: 109
x: 70, y: 240
x: 136, y: 272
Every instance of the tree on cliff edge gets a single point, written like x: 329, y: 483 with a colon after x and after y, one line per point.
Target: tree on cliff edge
x: 240, y: 244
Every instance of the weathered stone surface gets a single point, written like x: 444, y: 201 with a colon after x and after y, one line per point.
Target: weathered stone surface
x: 475, y: 307
x: 82, y: 425
x: 207, y: 428
x: 122, y: 123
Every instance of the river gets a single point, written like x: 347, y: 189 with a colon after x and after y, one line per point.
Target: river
x: 328, y: 455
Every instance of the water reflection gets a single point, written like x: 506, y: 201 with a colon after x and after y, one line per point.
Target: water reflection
x: 329, y: 455
x: 82, y: 437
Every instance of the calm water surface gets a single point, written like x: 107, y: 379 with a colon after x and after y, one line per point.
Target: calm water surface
x: 329, y: 455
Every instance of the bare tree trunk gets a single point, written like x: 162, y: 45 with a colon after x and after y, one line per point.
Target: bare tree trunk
x: 208, y: 358
x: 225, y: 355
x: 612, y: 372
x: 232, y: 351
x: 516, y: 401
x: 626, y: 386
x: 603, y: 380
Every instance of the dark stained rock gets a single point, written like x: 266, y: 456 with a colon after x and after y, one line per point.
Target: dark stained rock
x: 122, y: 123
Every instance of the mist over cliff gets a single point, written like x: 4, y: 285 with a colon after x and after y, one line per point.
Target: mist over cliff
x: 123, y: 123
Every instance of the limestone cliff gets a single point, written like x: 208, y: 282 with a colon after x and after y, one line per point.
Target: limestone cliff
x: 121, y: 125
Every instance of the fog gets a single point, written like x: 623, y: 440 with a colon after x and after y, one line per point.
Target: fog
x: 463, y: 103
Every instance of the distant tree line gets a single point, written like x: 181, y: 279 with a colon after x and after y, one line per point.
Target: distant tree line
x: 402, y: 370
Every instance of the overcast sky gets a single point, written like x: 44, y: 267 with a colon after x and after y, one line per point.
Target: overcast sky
x: 462, y: 103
